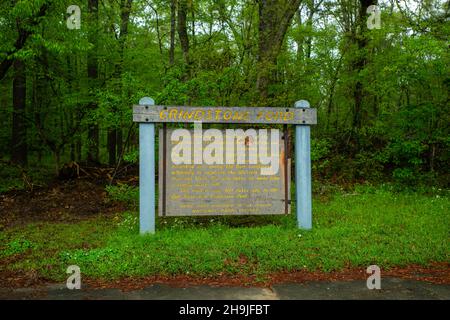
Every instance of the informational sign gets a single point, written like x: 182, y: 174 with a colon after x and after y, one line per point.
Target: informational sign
x: 224, y: 114
x: 209, y: 171
x: 223, y: 172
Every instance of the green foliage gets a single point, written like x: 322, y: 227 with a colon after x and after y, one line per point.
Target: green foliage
x: 320, y: 153
x: 367, y: 225
x: 320, y: 148
x: 402, y: 134
x: 132, y: 156
x: 16, y: 246
x: 123, y: 193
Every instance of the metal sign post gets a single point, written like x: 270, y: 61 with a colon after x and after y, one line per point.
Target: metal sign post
x: 147, y: 172
x: 303, y: 195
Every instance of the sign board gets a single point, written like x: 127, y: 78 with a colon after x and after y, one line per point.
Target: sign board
x: 241, y: 180
x: 203, y: 175
x: 224, y: 114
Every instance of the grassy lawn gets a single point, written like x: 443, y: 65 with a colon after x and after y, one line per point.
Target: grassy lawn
x: 368, y: 226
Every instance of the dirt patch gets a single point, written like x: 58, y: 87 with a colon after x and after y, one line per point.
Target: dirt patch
x: 20, y: 279
x: 61, y: 201
x: 438, y: 273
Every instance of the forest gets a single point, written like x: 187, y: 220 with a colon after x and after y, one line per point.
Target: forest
x: 69, y: 78
x: 375, y: 71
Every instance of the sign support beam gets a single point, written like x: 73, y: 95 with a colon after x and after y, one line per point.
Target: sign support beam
x: 147, y: 173
x: 303, y: 195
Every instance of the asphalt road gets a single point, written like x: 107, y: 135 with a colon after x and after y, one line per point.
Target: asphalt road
x: 391, y: 289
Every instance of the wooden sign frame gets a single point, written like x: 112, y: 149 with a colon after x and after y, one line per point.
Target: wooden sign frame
x: 263, y: 115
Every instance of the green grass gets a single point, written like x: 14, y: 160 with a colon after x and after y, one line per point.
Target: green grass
x: 368, y: 226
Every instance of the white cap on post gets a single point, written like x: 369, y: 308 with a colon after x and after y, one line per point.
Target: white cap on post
x: 302, y: 104
x: 146, y: 101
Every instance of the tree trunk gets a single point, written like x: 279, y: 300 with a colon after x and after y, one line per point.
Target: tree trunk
x: 119, y: 143
x: 112, y: 144
x: 115, y: 133
x: 300, y: 39
x: 57, y: 156
x: 182, y: 30
x: 92, y: 65
x: 173, y: 5
x: 309, y: 23
x: 19, y: 130
x: 72, y: 118
x: 360, y: 62
x: 19, y: 147
x: 77, y: 115
x: 125, y: 11
x: 274, y: 19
